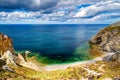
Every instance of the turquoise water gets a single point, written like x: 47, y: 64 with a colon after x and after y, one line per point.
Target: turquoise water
x: 61, y: 43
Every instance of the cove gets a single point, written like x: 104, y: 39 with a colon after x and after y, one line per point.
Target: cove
x: 53, y: 43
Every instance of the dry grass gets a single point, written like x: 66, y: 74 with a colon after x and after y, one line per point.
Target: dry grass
x: 112, y: 69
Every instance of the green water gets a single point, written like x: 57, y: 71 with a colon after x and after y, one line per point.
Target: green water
x: 80, y: 54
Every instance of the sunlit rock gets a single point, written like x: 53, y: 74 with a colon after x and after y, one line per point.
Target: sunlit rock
x: 107, y: 41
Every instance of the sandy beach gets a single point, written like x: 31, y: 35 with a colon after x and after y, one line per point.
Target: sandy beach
x: 65, y: 66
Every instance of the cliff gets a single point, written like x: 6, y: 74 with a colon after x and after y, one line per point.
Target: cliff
x: 106, y: 40
x: 17, y: 67
x: 8, y: 57
x: 5, y: 44
x: 6, y: 50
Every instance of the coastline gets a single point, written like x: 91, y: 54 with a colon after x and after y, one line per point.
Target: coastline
x: 54, y: 67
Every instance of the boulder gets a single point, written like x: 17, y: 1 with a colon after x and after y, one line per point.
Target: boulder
x: 21, y: 58
x: 7, y: 68
x: 8, y: 57
x: 116, y: 78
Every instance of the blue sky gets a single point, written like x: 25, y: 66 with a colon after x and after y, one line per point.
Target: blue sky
x: 59, y: 11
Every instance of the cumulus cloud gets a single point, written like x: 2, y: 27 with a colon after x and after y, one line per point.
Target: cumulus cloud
x: 37, y: 5
x: 106, y: 16
x: 98, y: 8
x: 19, y: 15
x: 59, y: 10
x: 33, y: 5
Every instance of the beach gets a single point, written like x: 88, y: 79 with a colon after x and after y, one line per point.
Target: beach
x: 54, y: 67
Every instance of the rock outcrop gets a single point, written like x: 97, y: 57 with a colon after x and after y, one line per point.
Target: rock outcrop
x: 8, y: 57
x: 5, y: 44
x: 107, y: 40
x: 6, y: 49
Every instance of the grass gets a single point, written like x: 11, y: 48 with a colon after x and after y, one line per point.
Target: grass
x: 77, y: 72
x: 112, y: 69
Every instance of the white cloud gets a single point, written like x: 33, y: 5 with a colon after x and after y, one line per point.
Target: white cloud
x: 98, y: 8
x: 106, y: 16
x: 60, y: 10
x: 3, y: 14
x: 31, y: 5
x: 59, y: 13
x: 18, y: 15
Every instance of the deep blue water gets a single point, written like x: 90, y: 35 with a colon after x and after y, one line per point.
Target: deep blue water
x: 50, y: 40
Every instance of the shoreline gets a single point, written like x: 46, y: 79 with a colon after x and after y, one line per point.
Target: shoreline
x: 54, y: 67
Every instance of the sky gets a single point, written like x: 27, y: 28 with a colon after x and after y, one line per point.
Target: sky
x: 59, y: 11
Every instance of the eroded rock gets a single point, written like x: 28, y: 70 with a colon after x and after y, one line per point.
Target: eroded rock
x: 106, y: 41
x: 2, y: 62
x: 7, y: 56
x: 5, y: 44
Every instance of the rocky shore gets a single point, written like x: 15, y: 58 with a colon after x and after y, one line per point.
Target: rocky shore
x: 9, y: 59
x: 106, y: 42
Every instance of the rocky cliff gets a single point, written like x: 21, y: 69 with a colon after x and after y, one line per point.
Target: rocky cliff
x: 6, y: 50
x: 106, y: 40
x: 9, y: 58
x: 5, y: 44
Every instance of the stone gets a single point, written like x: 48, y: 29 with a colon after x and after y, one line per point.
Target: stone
x: 26, y: 54
x: 8, y: 57
x: 108, y: 56
x: 21, y: 58
x: 7, y: 68
x: 5, y: 44
x: 116, y: 78
x: 91, y: 77
x: 107, y: 40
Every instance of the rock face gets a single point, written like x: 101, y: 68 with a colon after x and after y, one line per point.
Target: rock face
x: 107, y: 40
x: 5, y: 44
x: 6, y: 49
x: 7, y: 56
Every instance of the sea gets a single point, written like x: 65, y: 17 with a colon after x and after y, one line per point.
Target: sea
x: 54, y: 41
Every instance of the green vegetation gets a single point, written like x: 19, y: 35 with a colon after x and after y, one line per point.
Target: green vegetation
x: 111, y: 28
x: 111, y: 70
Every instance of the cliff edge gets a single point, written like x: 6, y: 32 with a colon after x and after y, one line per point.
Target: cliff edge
x: 9, y: 59
x: 106, y: 40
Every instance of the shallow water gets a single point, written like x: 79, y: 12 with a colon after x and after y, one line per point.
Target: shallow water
x: 57, y: 42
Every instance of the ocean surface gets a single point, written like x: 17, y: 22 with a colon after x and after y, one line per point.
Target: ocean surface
x: 54, y: 41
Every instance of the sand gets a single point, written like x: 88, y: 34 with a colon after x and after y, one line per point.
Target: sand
x: 65, y: 66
